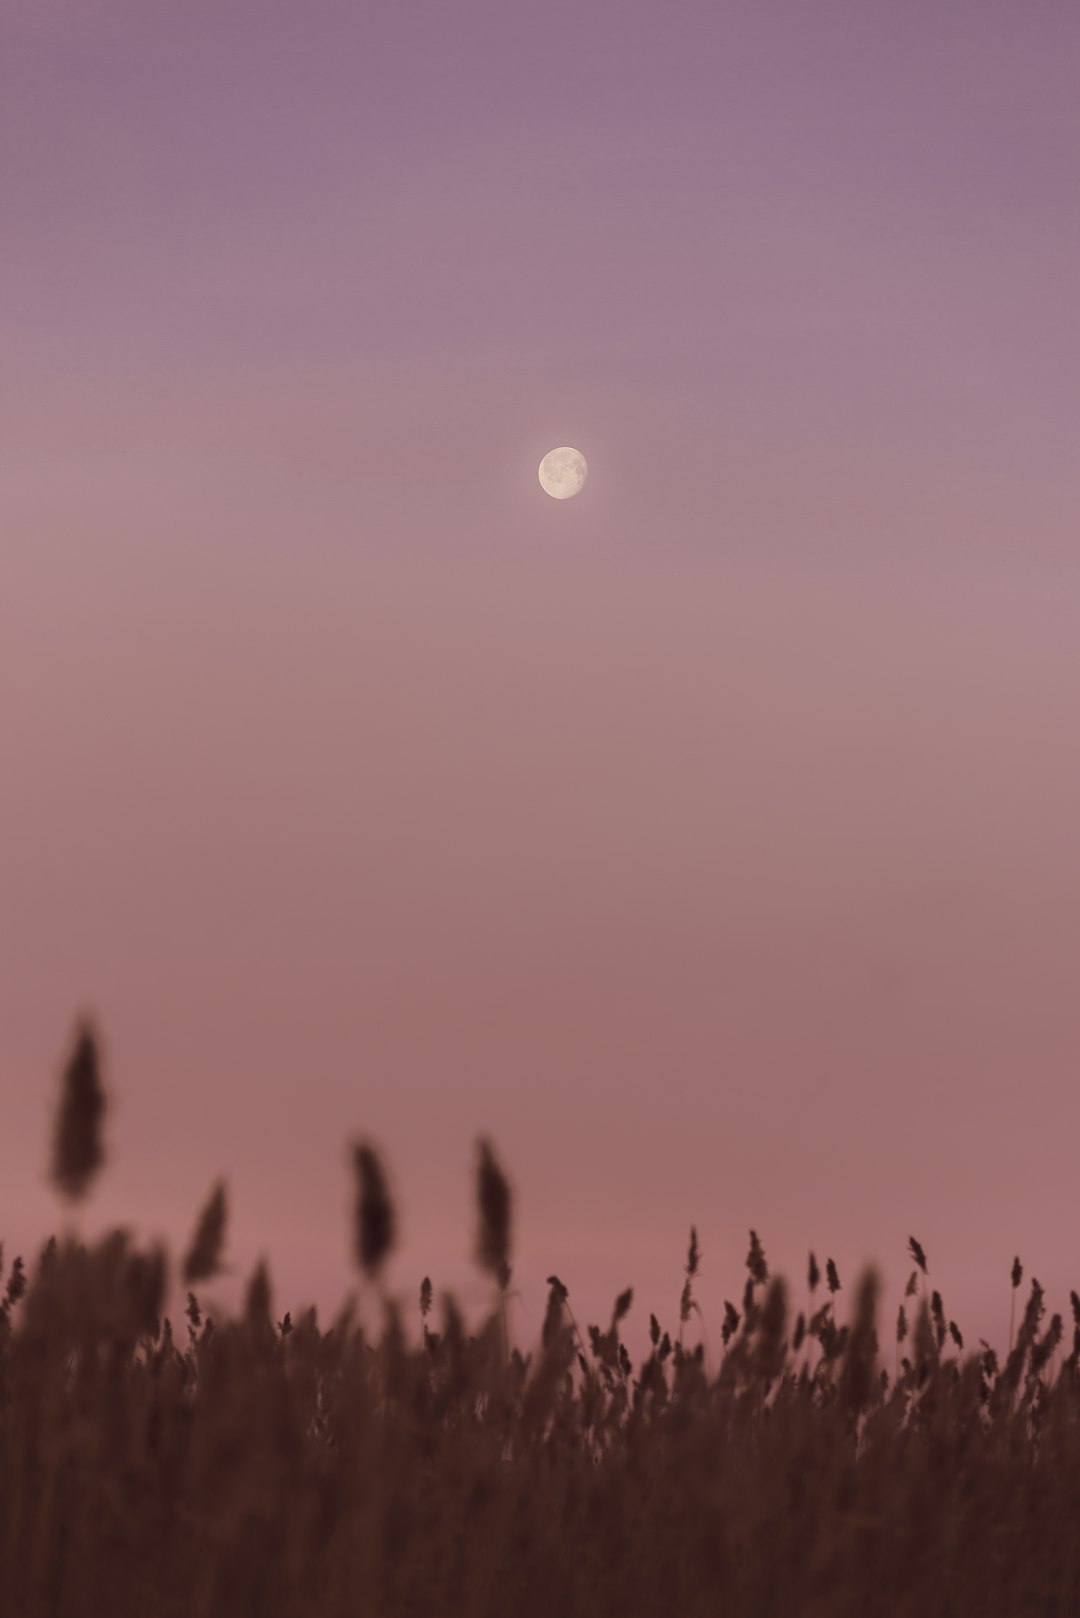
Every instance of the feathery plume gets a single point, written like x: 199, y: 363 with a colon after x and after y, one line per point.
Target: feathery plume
x: 493, y: 1199
x: 1016, y: 1278
x: 917, y: 1254
x: 857, y: 1374
x: 204, y: 1255
x: 374, y: 1235
x: 16, y: 1285
x: 257, y: 1297
x: 755, y: 1261
x: 693, y: 1257
x: 769, y: 1344
x: 77, y: 1148
x: 553, y: 1314
x: 622, y: 1305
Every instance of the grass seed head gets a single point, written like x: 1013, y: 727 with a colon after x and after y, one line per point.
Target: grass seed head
x: 375, y: 1223
x: 755, y: 1261
x: 204, y: 1255
x: 693, y: 1257
x: 77, y: 1147
x: 494, y: 1206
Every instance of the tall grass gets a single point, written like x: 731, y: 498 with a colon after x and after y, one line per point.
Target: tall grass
x: 280, y: 1469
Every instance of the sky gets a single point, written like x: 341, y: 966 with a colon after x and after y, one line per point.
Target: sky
x: 710, y: 840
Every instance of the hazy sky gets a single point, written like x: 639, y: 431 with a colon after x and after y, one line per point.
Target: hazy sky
x: 713, y: 839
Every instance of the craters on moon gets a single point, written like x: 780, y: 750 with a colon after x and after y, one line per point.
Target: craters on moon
x: 563, y: 472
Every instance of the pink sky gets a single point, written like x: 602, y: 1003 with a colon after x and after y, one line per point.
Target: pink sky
x: 712, y: 840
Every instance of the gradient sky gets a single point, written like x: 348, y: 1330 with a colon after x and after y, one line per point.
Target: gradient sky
x: 713, y: 839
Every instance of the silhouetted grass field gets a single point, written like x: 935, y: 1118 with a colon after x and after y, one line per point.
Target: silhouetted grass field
x: 281, y: 1470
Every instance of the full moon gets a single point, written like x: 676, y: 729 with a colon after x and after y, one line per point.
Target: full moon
x: 563, y: 472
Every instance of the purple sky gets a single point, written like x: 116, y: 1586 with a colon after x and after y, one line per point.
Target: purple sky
x: 713, y: 839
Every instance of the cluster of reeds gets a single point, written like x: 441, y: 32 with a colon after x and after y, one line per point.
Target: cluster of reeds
x: 254, y: 1466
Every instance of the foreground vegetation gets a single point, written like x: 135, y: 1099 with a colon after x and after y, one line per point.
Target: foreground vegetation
x: 279, y: 1470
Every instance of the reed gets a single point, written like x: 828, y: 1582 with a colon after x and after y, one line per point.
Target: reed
x: 292, y: 1471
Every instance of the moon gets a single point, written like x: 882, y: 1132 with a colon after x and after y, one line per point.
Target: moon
x: 563, y: 472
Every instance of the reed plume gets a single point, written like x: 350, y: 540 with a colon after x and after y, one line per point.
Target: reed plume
x: 494, y: 1206
x: 857, y: 1376
x: 375, y: 1223
x: 77, y: 1148
x: 203, y: 1258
